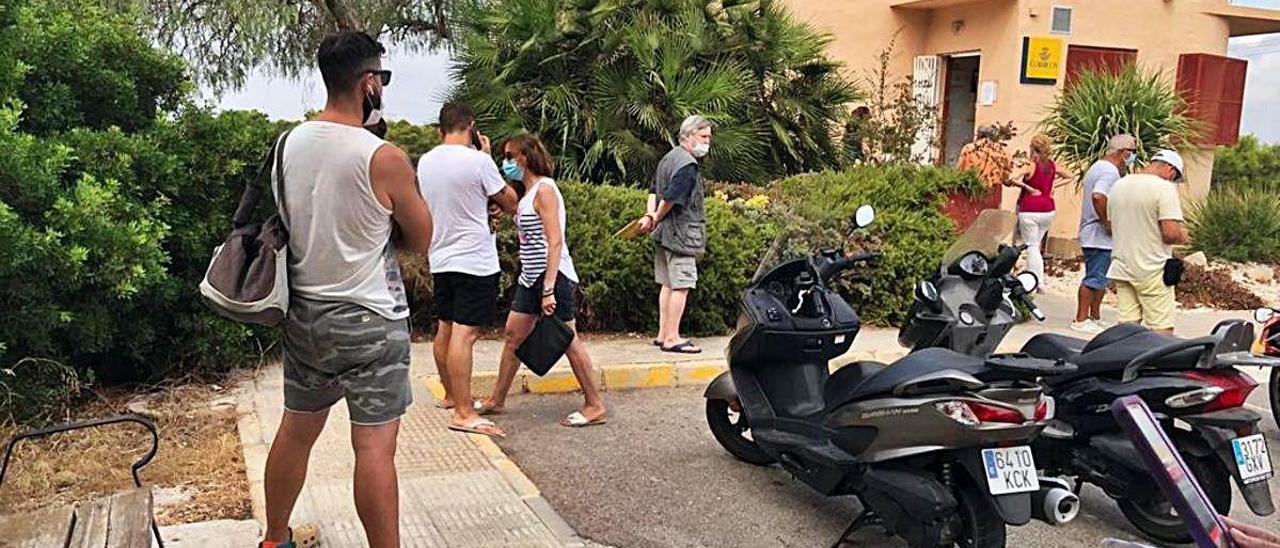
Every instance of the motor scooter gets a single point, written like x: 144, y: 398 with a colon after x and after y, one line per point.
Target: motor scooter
x: 935, y: 446
x: 1192, y: 385
x: 1268, y: 343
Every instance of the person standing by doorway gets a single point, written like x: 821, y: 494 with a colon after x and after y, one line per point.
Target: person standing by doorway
x: 1146, y: 222
x: 346, y: 335
x: 986, y: 158
x: 678, y: 220
x: 459, y: 183
x: 1036, y: 207
x: 1095, y: 231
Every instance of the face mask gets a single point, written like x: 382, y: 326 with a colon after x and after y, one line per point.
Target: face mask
x: 1132, y: 159
x: 372, y: 109
x: 512, y: 170
x: 701, y: 149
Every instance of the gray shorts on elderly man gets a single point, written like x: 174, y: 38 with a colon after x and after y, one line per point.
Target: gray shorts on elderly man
x: 336, y: 350
x: 674, y: 270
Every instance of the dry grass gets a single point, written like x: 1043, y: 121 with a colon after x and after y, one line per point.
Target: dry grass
x: 199, y: 453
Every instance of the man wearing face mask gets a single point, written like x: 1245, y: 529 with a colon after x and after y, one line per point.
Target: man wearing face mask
x: 1095, y: 230
x: 346, y: 335
x: 678, y: 220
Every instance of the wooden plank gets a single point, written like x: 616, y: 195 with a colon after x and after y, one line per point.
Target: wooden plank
x: 39, y: 529
x: 92, y: 524
x: 130, y: 520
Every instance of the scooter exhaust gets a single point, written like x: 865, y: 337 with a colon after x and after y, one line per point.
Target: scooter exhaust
x: 1054, y: 503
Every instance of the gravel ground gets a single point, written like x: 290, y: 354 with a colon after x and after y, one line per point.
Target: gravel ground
x: 654, y: 477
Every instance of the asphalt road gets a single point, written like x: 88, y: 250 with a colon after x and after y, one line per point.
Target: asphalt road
x: 654, y: 477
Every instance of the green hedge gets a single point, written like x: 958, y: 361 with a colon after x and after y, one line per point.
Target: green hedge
x: 909, y: 229
x: 618, y: 289
x: 808, y: 213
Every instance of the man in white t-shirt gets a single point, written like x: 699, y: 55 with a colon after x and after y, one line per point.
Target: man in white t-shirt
x: 459, y: 182
x: 1095, y: 230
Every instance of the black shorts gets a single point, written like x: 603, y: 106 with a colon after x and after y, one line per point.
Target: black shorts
x: 528, y: 300
x: 465, y: 299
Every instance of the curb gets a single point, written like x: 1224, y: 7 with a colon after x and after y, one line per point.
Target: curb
x: 524, y: 487
x: 636, y: 375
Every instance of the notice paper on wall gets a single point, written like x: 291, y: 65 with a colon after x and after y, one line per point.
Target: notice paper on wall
x: 987, y: 93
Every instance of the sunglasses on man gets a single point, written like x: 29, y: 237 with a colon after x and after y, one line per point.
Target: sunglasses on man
x: 384, y: 74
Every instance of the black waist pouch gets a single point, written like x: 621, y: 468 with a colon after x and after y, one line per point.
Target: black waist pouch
x: 1173, y: 270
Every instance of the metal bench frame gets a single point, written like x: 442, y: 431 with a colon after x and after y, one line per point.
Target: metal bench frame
x: 94, y: 423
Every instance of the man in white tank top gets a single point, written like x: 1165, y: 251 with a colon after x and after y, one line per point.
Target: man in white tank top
x: 346, y: 335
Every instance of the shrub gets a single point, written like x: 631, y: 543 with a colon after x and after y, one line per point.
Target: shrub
x: 1237, y: 225
x: 1101, y: 104
x: 1249, y: 165
x: 909, y: 230
x: 618, y: 291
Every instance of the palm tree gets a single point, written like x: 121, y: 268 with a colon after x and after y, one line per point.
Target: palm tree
x: 607, y: 82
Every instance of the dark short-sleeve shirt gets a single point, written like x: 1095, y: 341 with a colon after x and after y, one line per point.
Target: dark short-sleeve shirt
x: 681, y: 188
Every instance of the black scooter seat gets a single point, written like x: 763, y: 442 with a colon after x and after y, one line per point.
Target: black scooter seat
x: 1108, y: 353
x: 863, y: 379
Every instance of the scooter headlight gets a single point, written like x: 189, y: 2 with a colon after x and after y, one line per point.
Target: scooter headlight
x: 957, y: 411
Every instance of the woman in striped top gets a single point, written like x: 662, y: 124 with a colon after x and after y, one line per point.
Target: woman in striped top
x: 548, y: 282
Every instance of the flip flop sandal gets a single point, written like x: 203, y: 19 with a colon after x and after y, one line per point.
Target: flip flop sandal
x: 483, y: 409
x: 474, y: 427
x: 577, y: 420
x: 683, y: 348
x: 656, y: 342
x: 440, y: 404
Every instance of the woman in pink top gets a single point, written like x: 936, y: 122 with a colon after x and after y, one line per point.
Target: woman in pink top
x: 1037, y: 178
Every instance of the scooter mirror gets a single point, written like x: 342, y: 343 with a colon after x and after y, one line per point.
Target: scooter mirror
x: 864, y: 216
x: 1263, y: 315
x: 1029, y: 281
x: 926, y: 291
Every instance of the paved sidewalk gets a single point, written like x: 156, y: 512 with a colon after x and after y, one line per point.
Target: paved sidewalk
x: 455, y: 490
x: 626, y: 362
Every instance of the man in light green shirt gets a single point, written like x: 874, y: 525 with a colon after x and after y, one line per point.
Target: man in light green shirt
x: 1146, y: 221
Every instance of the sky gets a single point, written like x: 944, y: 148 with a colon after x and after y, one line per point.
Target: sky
x: 420, y: 81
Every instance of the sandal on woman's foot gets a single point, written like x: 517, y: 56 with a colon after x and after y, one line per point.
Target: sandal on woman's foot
x: 577, y: 420
x: 481, y: 426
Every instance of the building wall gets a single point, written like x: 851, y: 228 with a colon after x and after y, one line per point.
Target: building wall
x: 1159, y: 30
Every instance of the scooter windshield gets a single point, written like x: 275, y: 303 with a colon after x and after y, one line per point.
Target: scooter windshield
x: 992, y: 228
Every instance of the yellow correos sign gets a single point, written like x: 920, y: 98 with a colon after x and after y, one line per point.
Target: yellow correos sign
x: 1041, y: 59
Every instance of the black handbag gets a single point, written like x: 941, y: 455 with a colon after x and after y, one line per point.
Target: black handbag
x: 545, y: 345
x: 1173, y: 270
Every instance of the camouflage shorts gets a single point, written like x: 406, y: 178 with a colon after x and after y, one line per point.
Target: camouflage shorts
x: 335, y: 350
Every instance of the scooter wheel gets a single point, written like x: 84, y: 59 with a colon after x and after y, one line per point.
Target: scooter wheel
x: 980, y: 525
x: 1156, y: 517
x: 731, y: 429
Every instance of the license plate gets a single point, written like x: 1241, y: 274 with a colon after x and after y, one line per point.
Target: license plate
x: 1010, y: 470
x: 1251, y: 458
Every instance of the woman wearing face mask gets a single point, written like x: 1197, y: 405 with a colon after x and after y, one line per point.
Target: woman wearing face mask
x: 547, y: 282
x: 1037, y: 178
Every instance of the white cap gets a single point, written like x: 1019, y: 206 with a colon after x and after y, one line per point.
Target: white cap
x: 1174, y: 159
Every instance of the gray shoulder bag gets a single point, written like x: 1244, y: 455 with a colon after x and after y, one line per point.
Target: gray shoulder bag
x: 248, y: 277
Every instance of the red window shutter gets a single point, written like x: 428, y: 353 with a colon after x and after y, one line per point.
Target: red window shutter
x: 1081, y: 59
x: 1213, y: 87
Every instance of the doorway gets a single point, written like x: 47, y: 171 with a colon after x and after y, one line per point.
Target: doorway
x: 961, y: 104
